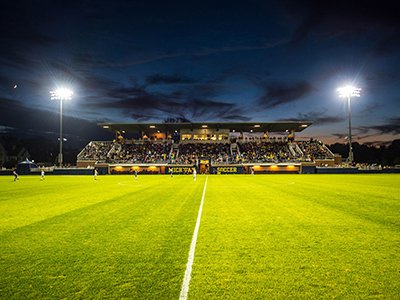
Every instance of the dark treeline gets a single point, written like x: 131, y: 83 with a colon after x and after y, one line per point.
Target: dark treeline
x: 41, y: 150
x: 382, y: 155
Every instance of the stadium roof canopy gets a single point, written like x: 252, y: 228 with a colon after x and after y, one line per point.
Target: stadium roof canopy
x: 244, y: 127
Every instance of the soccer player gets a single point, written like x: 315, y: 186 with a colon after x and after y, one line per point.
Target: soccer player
x: 95, y: 173
x: 171, y: 172
x: 135, y: 174
x: 42, y: 174
x: 15, y: 175
x: 194, y: 174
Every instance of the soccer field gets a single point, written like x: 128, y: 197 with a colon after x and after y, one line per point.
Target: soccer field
x: 260, y: 237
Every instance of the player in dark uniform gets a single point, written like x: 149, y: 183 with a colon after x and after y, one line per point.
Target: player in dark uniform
x: 15, y: 175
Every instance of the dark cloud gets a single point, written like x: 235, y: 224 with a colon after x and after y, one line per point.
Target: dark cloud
x: 5, y: 81
x: 317, y: 118
x: 388, y: 45
x: 137, y: 102
x: 231, y: 117
x: 340, y: 136
x: 168, y: 79
x: 320, y: 118
x: 19, y: 32
x: 42, y: 122
x: 209, y: 89
x: 378, y: 143
x: 331, y: 18
x: 14, y: 57
x: 203, y: 109
x: 392, y: 126
x: 277, y: 94
x: 372, y: 108
x: 89, y: 60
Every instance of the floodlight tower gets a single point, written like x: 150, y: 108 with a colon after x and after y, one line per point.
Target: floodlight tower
x: 61, y: 94
x: 348, y: 92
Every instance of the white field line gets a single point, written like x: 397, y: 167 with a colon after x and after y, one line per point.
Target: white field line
x: 189, y: 265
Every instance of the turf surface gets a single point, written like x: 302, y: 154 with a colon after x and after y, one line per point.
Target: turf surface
x: 261, y: 237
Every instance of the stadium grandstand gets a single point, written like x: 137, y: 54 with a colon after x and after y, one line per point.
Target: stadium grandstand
x: 212, y: 148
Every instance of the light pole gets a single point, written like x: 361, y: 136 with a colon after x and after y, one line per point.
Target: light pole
x: 348, y: 92
x: 61, y: 94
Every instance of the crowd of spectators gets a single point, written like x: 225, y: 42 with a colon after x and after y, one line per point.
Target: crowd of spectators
x: 96, y: 151
x: 259, y: 151
x: 190, y: 152
x: 313, y: 149
x: 264, y: 152
x: 146, y: 152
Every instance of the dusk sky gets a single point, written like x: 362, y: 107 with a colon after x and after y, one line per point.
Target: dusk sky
x: 236, y: 61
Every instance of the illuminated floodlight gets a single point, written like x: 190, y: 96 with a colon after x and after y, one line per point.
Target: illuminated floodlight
x: 304, y: 125
x: 349, y: 91
x: 257, y: 126
x: 61, y: 94
x: 204, y: 126
x: 152, y: 126
x: 106, y: 126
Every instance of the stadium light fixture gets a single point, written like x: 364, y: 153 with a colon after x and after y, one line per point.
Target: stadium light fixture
x: 152, y: 126
x: 347, y: 92
x: 204, y: 126
x: 61, y: 94
x: 257, y: 126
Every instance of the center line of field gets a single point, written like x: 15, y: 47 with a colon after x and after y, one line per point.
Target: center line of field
x: 189, y: 265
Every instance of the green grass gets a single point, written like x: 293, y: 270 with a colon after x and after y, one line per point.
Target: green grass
x: 261, y: 237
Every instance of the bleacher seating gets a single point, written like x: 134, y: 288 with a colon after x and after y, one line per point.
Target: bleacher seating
x: 253, y: 151
x: 96, y: 151
x: 313, y: 149
x: 264, y: 152
x: 217, y: 152
x: 145, y: 152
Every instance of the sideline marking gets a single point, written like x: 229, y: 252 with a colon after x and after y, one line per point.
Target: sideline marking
x: 188, y: 272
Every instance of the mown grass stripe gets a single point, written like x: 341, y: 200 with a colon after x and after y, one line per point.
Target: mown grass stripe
x: 189, y: 265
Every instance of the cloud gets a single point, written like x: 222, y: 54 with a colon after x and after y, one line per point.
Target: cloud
x: 18, y: 32
x: 340, y: 136
x: 388, y: 45
x: 333, y: 18
x: 137, y: 102
x: 168, y: 79
x: 5, y: 81
x: 392, y: 126
x: 318, y: 118
x: 43, y: 122
x: 378, y: 143
x: 89, y: 60
x: 277, y: 94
